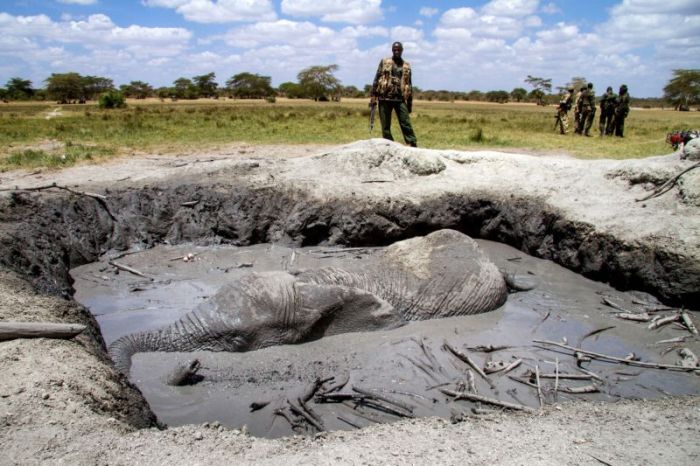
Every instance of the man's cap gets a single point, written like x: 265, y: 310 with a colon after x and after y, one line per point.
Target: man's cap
x: 609, y: 89
x: 590, y: 85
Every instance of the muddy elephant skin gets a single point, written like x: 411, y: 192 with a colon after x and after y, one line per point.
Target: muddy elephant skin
x: 442, y: 274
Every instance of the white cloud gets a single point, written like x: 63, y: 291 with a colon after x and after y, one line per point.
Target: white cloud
x: 339, y: 11
x: 428, y: 11
x: 78, y: 2
x: 666, y: 7
x: 219, y: 11
x: 406, y: 34
x: 551, y: 8
x: 514, y: 8
x: 302, y: 35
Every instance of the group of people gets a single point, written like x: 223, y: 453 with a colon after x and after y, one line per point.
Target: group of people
x: 392, y: 92
x: 614, y: 108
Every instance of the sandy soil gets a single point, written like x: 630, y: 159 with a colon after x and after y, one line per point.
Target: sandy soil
x: 62, y: 402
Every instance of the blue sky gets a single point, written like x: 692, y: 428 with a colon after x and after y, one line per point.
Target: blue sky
x: 453, y: 45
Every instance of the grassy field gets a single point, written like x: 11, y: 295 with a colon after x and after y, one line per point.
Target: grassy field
x: 50, y: 135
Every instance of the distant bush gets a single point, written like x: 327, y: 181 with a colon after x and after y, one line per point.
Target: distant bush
x: 112, y: 99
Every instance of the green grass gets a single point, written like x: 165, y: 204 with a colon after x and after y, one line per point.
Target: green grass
x: 77, y: 133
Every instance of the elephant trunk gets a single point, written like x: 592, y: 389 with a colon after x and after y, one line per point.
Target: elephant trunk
x: 183, y: 335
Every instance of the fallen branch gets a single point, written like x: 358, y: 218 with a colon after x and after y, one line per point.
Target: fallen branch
x: 664, y: 188
x: 688, y: 322
x: 663, y: 321
x: 14, y: 330
x: 644, y: 317
x: 488, y: 348
x: 605, y: 357
x: 688, y: 358
x: 467, y: 360
x: 126, y: 268
x: 483, y: 399
x: 539, y: 387
x: 348, y: 422
x: 580, y: 390
x: 297, y: 409
x: 386, y: 399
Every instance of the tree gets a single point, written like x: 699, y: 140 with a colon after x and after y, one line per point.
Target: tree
x: 65, y: 87
x: 290, y: 90
x: 205, y: 85
x: 93, y: 86
x: 683, y: 89
x: 250, y: 86
x: 184, y: 88
x: 518, y: 94
x: 497, y: 96
x: 543, y: 86
x: 318, y: 82
x: 19, y: 89
x: 137, y: 90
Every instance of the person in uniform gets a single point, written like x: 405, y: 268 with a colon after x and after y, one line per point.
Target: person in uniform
x: 393, y: 91
x: 587, y: 103
x: 577, y: 111
x: 607, y: 112
x: 563, y: 110
x: 622, y: 109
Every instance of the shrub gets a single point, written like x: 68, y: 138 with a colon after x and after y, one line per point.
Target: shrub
x: 112, y: 99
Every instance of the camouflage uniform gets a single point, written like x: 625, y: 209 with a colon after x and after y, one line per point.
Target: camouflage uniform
x: 607, y: 112
x: 587, y: 104
x: 392, y: 87
x: 563, y: 111
x: 622, y: 109
x: 577, y: 111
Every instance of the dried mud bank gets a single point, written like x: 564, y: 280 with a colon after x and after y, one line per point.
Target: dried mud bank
x: 582, y: 215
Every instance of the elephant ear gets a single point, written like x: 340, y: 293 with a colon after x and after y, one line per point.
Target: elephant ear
x: 335, y: 309
x: 452, y: 276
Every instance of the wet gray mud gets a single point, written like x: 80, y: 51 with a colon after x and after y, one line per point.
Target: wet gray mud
x: 409, y: 365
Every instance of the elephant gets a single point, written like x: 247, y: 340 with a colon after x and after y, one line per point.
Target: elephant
x: 442, y: 274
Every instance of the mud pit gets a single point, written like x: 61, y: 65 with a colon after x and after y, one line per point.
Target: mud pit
x: 408, y: 364
x: 65, y: 402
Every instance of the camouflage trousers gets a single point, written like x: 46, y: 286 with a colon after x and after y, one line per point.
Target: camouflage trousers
x: 563, y: 122
x: 401, y: 109
x: 587, y: 117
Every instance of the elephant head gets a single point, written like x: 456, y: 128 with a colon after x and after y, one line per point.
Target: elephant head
x: 260, y: 310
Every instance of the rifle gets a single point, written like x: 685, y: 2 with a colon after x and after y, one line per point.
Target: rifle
x: 372, y: 113
x: 557, y: 122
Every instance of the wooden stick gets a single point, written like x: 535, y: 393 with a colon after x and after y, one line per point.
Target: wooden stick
x: 302, y: 412
x: 556, y: 376
x: 663, y: 321
x: 635, y: 317
x: 512, y: 365
x: 14, y: 330
x: 386, y: 399
x: 668, y: 184
x: 126, y: 268
x: 348, y: 422
x: 651, y: 365
x: 471, y: 383
x: 579, y: 390
x: 483, y: 399
x: 539, y: 388
x: 688, y: 322
x: 466, y: 359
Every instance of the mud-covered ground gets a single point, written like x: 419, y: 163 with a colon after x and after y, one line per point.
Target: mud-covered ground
x: 62, y: 401
x: 408, y: 364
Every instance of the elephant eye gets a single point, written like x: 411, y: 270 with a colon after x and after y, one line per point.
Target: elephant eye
x: 238, y: 343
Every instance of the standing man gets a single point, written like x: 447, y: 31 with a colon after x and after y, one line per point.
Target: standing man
x: 393, y: 89
x: 607, y: 112
x: 587, y: 109
x: 578, y: 127
x: 622, y: 109
x: 563, y: 110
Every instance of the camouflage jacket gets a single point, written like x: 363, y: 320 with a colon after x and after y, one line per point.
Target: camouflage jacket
x: 565, y: 102
x: 608, y: 101
x: 623, y: 105
x: 392, y: 81
x: 587, y: 100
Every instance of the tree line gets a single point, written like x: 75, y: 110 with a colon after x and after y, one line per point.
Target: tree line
x: 317, y: 83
